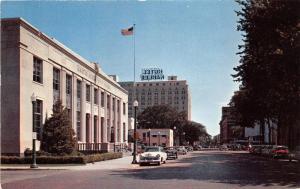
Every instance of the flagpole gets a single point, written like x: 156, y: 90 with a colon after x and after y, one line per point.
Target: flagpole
x: 134, y: 61
x: 134, y: 52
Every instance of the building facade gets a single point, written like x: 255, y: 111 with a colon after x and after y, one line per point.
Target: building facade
x: 33, y: 63
x: 171, y: 92
x: 230, y: 131
x: 155, y: 137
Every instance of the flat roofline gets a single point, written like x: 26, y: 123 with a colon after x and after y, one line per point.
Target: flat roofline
x: 68, y: 52
x: 155, y: 129
x: 151, y: 81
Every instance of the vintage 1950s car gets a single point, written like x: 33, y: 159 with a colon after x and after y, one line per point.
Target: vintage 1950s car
x: 171, y: 153
x: 153, y: 154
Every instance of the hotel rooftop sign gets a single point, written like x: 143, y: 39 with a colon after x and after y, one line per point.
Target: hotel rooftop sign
x: 152, y: 74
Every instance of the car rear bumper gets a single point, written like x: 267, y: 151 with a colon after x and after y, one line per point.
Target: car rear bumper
x: 172, y: 157
x: 281, y: 155
x: 150, y: 161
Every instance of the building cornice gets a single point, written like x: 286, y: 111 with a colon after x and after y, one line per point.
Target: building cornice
x: 68, y: 52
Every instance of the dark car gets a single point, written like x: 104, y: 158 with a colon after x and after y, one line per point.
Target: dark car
x: 181, y: 150
x: 197, y: 148
x: 189, y: 148
x: 171, y: 153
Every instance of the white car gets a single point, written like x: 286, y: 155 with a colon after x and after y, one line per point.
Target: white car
x: 153, y: 154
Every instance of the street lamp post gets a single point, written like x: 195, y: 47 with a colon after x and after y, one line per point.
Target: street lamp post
x: 174, y: 128
x: 135, y: 105
x: 33, y: 165
x: 149, y: 135
x: 158, y: 138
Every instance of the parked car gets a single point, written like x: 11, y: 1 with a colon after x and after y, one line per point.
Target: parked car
x: 223, y: 147
x: 256, y: 149
x: 279, y: 152
x: 153, y: 154
x: 189, y: 148
x: 198, y: 147
x: 266, y: 150
x: 235, y: 147
x: 181, y: 150
x: 171, y: 153
x: 295, y: 154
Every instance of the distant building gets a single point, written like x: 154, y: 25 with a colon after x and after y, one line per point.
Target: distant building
x: 155, y: 137
x: 173, y: 92
x: 230, y: 131
x: 33, y: 63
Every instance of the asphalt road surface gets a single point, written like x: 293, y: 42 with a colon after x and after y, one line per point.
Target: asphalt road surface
x: 210, y: 169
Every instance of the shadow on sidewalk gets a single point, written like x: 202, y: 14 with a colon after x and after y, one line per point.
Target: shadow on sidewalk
x: 221, y: 167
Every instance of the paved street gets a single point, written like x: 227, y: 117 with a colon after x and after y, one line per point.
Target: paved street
x: 211, y: 169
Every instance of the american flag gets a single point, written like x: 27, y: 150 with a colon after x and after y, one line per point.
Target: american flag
x: 128, y: 31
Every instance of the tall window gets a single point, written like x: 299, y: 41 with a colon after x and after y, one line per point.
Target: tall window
x: 95, y: 96
x: 78, y: 89
x: 88, y: 93
x: 78, y: 125
x: 95, y: 128
x: 69, y: 93
x: 37, y: 70
x: 108, y: 102
x: 124, y: 108
x: 102, y: 99
x: 118, y: 106
x: 69, y: 85
x: 114, y: 103
x: 38, y: 118
x: 87, y: 130
x: 124, y: 132
x: 56, y: 79
x: 56, y: 84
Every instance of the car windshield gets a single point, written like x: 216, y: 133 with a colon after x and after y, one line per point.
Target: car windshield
x: 151, y: 150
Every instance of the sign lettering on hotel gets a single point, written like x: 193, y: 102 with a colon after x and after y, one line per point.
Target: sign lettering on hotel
x: 152, y: 74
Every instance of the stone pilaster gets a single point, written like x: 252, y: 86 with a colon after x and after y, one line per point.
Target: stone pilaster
x: 83, y: 111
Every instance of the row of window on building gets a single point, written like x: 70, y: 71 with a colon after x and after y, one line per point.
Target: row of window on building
x: 38, y: 77
x: 157, y: 91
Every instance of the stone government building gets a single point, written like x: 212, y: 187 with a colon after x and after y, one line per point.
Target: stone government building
x: 32, y: 62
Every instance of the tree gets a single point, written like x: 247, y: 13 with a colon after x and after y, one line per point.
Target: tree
x: 193, y: 131
x: 161, y: 116
x: 164, y: 116
x: 58, y: 135
x: 269, y: 69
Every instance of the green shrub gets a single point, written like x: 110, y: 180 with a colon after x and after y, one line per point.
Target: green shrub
x: 28, y: 153
x: 102, y: 157
x: 77, y: 159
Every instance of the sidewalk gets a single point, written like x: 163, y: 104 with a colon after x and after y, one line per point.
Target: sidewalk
x: 121, y: 163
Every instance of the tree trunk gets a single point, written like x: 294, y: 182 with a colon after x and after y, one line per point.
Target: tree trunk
x: 278, y: 130
x: 270, y: 131
x: 262, y: 130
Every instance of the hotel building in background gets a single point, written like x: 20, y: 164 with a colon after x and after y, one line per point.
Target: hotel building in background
x: 171, y: 92
x: 33, y: 63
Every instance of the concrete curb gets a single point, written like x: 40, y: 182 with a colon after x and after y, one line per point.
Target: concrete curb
x: 29, y: 169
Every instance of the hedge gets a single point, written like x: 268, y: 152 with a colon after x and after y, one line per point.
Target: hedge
x: 61, y: 159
